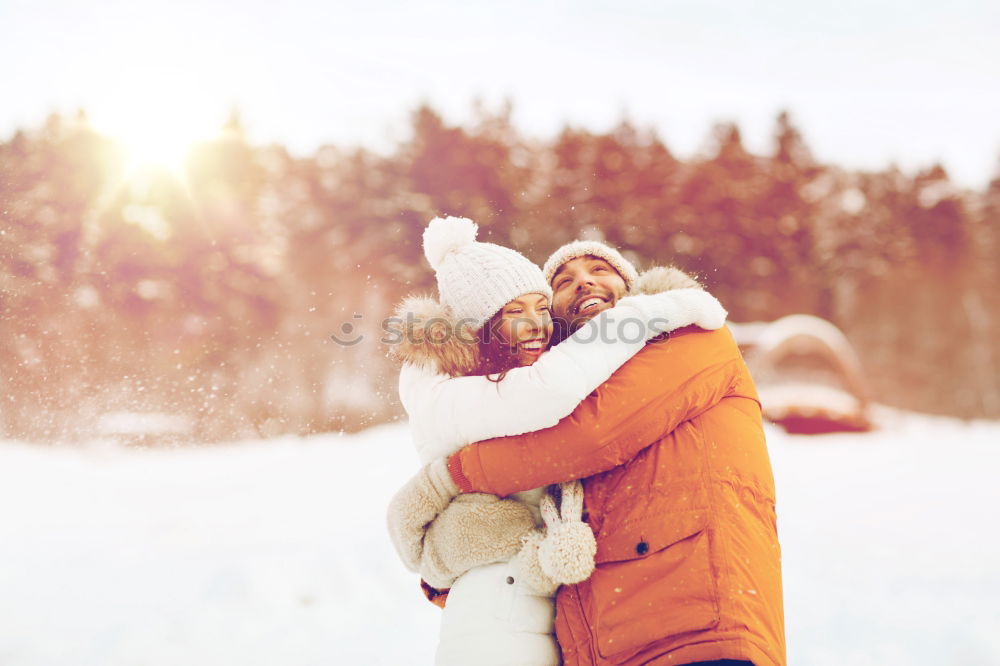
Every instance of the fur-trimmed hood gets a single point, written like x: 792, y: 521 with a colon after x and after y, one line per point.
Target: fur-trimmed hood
x: 430, y: 335
x: 663, y: 278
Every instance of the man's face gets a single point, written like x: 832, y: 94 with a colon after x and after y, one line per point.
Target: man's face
x: 583, y: 287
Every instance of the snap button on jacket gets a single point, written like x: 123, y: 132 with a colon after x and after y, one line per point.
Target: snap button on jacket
x: 680, y: 495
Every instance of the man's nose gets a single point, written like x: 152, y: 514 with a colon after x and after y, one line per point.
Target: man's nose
x: 584, y: 282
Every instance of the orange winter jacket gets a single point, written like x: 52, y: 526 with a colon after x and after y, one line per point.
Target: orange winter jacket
x: 680, y: 496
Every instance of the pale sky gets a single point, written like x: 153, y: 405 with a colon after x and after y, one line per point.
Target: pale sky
x: 868, y: 82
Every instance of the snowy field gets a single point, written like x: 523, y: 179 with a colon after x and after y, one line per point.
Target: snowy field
x: 274, y: 553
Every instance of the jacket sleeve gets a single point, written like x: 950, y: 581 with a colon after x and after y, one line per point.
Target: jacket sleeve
x: 668, y: 383
x: 448, y: 413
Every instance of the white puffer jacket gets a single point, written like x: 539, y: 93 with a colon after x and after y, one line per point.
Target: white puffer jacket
x: 491, y: 618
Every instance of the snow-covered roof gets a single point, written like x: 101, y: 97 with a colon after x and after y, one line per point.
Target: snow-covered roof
x: 776, y: 333
x: 800, y: 334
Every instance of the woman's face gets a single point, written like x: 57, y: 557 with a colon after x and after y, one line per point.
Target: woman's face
x: 525, y: 326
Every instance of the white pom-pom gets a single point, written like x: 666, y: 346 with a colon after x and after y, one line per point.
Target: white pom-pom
x: 528, y: 568
x: 567, y: 553
x: 447, y: 234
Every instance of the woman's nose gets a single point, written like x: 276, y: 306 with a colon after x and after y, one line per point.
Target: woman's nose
x: 536, y: 321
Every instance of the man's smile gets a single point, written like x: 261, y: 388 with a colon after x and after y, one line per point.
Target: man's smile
x: 587, y: 302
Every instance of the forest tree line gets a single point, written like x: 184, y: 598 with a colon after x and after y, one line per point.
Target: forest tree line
x: 213, y: 292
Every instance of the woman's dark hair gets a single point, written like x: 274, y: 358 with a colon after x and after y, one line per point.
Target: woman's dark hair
x: 495, y: 355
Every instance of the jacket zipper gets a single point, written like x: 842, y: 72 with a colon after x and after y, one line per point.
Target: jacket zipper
x: 586, y: 622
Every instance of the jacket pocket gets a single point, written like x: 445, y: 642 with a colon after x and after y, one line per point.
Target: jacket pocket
x: 653, y: 580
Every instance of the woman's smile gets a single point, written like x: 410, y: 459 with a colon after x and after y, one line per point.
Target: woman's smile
x: 532, y: 349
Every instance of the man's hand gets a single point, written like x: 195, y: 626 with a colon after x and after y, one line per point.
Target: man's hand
x: 474, y: 530
x: 414, y: 506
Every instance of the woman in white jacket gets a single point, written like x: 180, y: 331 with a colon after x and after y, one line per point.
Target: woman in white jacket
x: 474, y: 369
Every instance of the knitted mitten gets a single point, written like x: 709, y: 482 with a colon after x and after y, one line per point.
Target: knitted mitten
x: 566, y: 554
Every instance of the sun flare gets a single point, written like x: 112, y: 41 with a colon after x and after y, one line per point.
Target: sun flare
x: 154, y: 149
x: 154, y: 135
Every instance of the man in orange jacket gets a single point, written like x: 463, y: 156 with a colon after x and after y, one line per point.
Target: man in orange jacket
x: 678, y: 492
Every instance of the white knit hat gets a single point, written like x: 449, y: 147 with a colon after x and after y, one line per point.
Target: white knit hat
x: 476, y: 279
x: 583, y: 248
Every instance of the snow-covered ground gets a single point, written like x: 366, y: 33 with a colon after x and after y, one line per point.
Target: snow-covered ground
x: 274, y: 552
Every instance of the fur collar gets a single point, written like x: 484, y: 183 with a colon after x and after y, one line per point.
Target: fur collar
x: 429, y: 336
x: 663, y: 278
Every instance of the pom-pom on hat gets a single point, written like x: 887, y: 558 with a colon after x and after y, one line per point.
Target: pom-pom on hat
x: 584, y: 248
x: 476, y: 279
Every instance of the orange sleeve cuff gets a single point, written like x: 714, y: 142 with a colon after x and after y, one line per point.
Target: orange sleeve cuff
x: 434, y: 595
x: 456, y: 473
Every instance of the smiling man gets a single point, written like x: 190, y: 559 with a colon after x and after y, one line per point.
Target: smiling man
x: 678, y: 491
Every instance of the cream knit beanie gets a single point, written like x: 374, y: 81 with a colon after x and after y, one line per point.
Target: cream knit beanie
x: 476, y: 279
x: 583, y: 248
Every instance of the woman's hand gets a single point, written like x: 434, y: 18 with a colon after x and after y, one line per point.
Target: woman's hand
x: 415, y: 505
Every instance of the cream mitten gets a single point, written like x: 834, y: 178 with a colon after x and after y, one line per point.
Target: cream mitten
x: 415, y: 505
x: 474, y: 530
x: 566, y: 554
x: 529, y: 568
